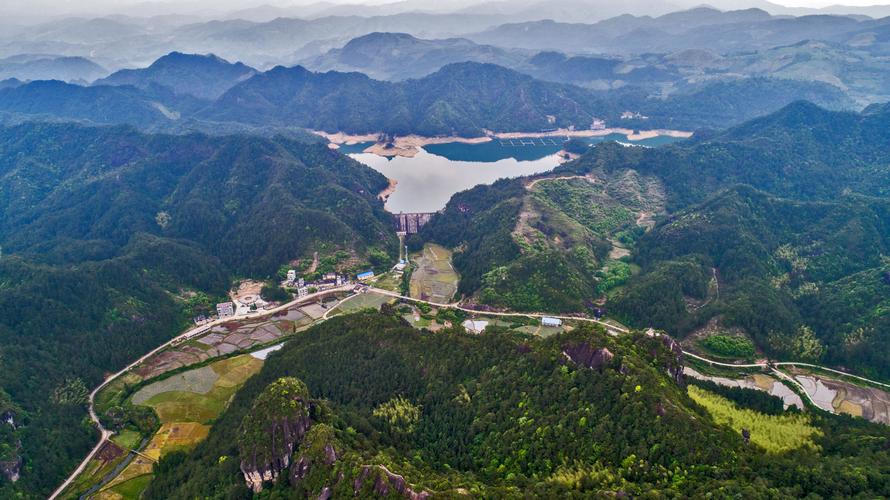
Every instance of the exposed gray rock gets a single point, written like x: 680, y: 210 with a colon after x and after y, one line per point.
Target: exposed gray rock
x: 386, y: 483
x: 585, y: 355
x: 675, y: 363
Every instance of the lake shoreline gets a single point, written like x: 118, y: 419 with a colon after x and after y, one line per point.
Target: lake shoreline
x: 409, y: 145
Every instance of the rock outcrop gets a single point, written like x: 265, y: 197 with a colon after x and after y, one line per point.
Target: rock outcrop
x: 386, y: 483
x: 314, y: 461
x: 585, y: 355
x: 675, y: 362
x: 274, y: 427
x: 675, y: 365
x: 11, y: 460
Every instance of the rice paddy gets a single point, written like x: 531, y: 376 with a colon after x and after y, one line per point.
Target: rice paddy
x: 434, y: 278
x: 774, y: 434
x: 359, y: 302
x: 186, y: 403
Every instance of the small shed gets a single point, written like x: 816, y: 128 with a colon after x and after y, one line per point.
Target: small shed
x: 548, y: 321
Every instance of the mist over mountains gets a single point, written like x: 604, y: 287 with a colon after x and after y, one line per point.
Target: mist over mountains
x: 710, y: 171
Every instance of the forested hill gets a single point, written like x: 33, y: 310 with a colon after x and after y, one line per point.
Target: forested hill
x: 800, y: 152
x: 461, y: 98
x: 789, y: 212
x: 203, y: 76
x: 112, y: 239
x: 181, y: 92
x: 367, y: 406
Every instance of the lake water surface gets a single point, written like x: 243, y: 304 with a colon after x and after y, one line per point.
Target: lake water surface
x: 428, y: 180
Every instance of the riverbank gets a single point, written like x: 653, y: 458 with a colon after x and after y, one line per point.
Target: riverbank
x: 385, y: 194
x: 408, y: 146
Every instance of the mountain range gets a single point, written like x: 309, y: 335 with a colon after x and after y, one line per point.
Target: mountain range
x: 464, y: 99
x: 205, y: 77
x: 120, y: 42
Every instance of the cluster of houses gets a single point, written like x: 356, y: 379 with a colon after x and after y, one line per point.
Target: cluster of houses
x: 303, y: 288
x: 327, y: 282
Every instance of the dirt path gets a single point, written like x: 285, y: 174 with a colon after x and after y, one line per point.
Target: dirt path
x: 534, y: 182
x: 314, y: 265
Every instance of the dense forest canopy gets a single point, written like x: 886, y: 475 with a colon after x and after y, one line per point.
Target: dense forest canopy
x: 109, y: 237
x: 504, y: 415
x: 182, y: 92
x: 788, y: 213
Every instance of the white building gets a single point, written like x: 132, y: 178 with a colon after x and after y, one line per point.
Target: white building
x: 225, y: 309
x: 547, y: 321
x: 302, y: 291
x: 292, y: 275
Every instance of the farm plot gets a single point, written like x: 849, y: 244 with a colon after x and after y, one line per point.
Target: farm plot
x: 186, y: 403
x: 359, y: 302
x: 434, y: 278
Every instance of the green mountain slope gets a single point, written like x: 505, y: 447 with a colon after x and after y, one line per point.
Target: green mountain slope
x: 784, y: 217
x: 202, y: 76
x: 113, y: 239
x: 398, y: 412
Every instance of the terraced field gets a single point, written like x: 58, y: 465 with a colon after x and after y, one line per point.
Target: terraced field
x: 434, y: 278
x: 186, y: 403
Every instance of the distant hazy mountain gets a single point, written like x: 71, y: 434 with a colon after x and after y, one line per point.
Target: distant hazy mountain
x: 207, y: 77
x: 9, y: 83
x: 47, y: 67
x: 694, y: 29
x: 398, y: 56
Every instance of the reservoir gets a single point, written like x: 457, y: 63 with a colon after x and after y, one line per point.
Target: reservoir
x: 427, y: 180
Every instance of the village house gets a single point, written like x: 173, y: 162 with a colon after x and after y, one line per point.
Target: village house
x: 225, y: 309
x: 547, y: 321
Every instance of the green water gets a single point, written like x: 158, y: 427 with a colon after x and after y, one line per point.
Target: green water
x: 526, y: 149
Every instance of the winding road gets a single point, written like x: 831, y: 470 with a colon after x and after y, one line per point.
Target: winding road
x: 106, y: 434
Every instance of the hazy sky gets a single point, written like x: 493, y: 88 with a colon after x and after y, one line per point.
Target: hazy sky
x: 43, y: 8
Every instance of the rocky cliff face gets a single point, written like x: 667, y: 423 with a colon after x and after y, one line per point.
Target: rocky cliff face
x: 11, y: 460
x: 386, y: 483
x: 269, y: 433
x: 585, y: 355
x: 675, y: 362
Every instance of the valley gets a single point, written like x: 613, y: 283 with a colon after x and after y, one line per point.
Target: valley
x: 444, y: 249
x: 187, y: 399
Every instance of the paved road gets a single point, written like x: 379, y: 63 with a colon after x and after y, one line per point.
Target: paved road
x: 456, y: 305
x: 105, y: 434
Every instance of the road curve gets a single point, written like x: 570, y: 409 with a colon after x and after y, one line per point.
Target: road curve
x: 105, y: 434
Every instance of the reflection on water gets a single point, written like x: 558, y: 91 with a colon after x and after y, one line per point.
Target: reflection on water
x: 525, y: 149
x: 427, y: 181
x: 758, y: 382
